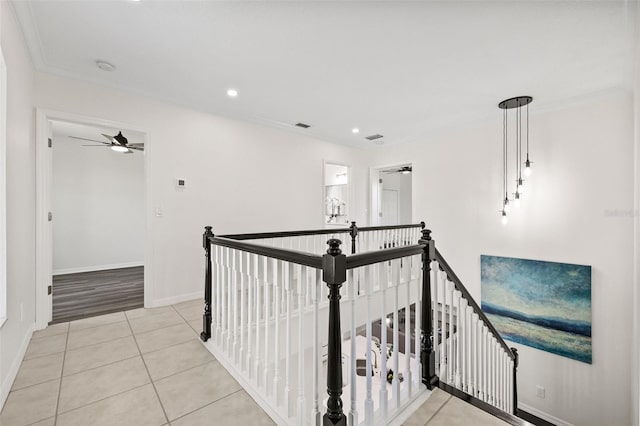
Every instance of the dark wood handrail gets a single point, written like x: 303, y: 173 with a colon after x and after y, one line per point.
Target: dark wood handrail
x: 293, y: 256
x: 377, y: 256
x: 444, y: 266
x: 325, y: 231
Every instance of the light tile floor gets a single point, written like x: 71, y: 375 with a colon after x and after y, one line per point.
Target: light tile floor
x: 146, y: 367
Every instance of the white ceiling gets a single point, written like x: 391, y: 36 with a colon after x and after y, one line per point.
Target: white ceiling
x: 398, y: 69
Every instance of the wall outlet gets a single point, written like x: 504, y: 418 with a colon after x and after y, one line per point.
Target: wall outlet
x: 540, y: 392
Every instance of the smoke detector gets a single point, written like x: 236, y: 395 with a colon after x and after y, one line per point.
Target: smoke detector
x: 105, y: 66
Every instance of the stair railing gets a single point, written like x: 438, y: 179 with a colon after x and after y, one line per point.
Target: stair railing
x: 256, y: 285
x: 471, y: 356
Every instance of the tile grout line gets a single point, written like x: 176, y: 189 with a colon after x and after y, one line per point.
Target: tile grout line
x: 102, y: 399
x: 438, y: 410
x: 148, y: 374
x: 64, y: 357
x: 206, y: 405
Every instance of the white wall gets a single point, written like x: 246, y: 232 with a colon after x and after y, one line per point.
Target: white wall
x: 16, y: 332
x: 578, y: 209
x: 401, y: 183
x: 240, y: 177
x: 98, y: 205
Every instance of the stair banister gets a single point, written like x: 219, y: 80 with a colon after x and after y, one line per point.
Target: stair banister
x: 334, y: 274
x: 427, y: 354
x: 206, y: 318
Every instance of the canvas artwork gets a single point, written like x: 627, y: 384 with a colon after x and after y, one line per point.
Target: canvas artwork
x: 545, y: 305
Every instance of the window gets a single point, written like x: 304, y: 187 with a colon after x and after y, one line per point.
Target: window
x: 3, y: 190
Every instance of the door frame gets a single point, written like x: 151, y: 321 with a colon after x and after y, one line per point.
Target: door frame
x: 44, y: 240
x: 375, y: 190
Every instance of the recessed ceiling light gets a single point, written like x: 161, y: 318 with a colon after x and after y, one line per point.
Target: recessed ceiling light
x: 232, y: 93
x: 105, y: 66
x: 355, y: 130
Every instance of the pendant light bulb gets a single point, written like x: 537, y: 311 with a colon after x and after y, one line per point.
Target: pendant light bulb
x: 504, y: 218
x: 506, y: 207
x: 516, y: 200
x: 520, y: 188
x: 527, y: 168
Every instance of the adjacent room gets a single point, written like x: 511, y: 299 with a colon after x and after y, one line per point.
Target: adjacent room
x: 98, y: 222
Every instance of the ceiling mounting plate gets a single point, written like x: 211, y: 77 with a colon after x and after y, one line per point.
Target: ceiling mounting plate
x: 518, y: 101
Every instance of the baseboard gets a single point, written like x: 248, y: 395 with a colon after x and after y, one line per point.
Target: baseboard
x: 15, y: 367
x: 97, y: 268
x: 175, y: 299
x: 545, y: 416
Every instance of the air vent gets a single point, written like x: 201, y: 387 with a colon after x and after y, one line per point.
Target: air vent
x: 374, y: 137
x: 304, y: 126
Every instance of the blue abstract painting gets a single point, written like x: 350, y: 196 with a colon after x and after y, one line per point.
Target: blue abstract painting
x: 545, y: 305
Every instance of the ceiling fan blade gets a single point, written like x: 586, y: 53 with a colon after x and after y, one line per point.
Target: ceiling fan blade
x: 99, y: 146
x: 137, y: 148
x: 91, y: 140
x: 109, y: 138
x: 139, y: 145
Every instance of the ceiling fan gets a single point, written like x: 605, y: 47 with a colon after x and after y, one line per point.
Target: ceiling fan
x: 403, y: 170
x: 117, y: 143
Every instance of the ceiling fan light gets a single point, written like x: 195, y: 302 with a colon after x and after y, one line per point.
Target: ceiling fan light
x: 118, y: 148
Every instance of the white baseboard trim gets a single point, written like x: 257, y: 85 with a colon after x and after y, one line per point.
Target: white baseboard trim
x: 15, y: 366
x: 96, y: 268
x: 175, y: 299
x: 545, y: 416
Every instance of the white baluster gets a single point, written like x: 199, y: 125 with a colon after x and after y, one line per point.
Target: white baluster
x: 288, y: 279
x: 241, y: 333
x: 316, y: 348
x: 228, y: 308
x: 475, y: 353
x: 276, y: 265
x: 368, y: 403
x: 418, y: 318
x: 267, y: 317
x: 219, y: 284
x: 462, y: 340
x: 302, y: 274
x: 450, y: 356
x: 457, y: 350
x: 395, y: 384
x: 250, y: 291
x: 435, y: 278
x: 485, y: 362
x: 383, y: 270
x: 407, y: 263
x: 469, y: 350
x: 442, y: 293
x: 353, y: 412
x: 258, y: 284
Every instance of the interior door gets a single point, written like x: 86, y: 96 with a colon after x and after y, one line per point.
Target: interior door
x: 49, y: 223
x: 389, y: 207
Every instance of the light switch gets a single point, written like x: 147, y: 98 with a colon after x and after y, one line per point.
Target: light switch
x: 180, y: 183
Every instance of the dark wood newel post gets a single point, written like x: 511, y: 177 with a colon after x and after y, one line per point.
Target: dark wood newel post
x: 516, y: 360
x: 206, y: 318
x: 334, y: 273
x: 427, y: 354
x: 354, y: 234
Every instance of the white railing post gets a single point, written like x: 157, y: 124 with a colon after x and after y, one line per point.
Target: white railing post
x: 276, y: 264
x: 368, y: 403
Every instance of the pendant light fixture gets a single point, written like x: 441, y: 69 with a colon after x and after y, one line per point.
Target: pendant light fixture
x: 514, y: 103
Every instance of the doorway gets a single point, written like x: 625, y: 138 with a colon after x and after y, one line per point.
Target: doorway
x: 91, y: 232
x: 391, y: 195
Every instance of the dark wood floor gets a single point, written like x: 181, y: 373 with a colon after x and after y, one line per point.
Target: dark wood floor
x: 88, y: 294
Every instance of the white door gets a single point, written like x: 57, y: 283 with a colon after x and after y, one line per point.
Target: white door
x: 389, y: 207
x: 49, y: 223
